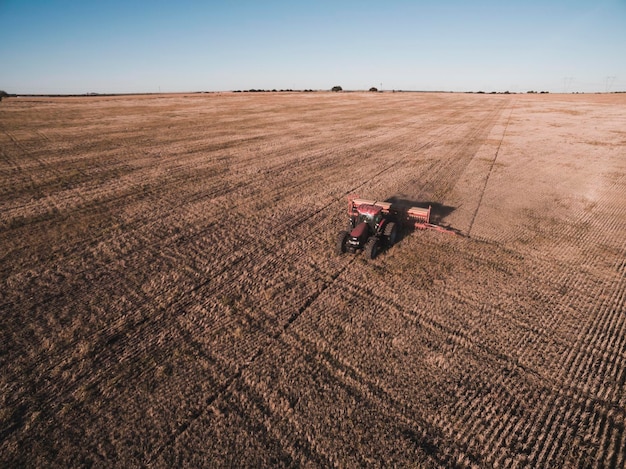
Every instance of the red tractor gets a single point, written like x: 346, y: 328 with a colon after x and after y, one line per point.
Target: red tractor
x: 370, y: 229
x: 374, y: 225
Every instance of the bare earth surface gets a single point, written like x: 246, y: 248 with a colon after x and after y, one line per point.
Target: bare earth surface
x: 170, y: 296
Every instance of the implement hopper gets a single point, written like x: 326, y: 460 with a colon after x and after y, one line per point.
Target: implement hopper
x: 416, y: 217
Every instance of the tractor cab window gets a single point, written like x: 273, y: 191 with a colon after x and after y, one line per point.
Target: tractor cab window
x: 372, y: 221
x: 365, y: 217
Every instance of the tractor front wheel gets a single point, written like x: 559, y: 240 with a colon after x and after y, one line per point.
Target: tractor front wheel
x: 340, y: 247
x: 372, y: 247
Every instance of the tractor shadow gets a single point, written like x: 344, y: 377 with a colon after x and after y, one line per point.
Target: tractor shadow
x: 438, y: 213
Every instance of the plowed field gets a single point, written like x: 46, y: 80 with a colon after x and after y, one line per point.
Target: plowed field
x: 170, y: 294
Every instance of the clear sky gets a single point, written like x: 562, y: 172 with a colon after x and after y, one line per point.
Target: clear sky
x: 127, y: 46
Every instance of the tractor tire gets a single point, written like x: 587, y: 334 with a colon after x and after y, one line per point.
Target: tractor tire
x: 391, y: 233
x: 340, y: 247
x: 372, y: 247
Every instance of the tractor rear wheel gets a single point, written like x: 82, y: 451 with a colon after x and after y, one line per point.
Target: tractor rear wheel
x: 340, y: 247
x: 391, y: 233
x: 371, y: 247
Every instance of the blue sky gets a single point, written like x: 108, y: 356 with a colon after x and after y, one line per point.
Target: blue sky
x: 131, y: 46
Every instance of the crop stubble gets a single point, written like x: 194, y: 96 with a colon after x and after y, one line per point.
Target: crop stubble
x: 170, y: 292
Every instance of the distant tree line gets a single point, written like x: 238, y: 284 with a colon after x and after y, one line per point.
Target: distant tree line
x: 335, y: 88
x: 3, y: 94
x: 253, y: 90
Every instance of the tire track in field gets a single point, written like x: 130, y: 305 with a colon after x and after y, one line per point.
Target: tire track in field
x: 423, y: 321
x: 33, y: 182
x: 443, y: 173
x: 302, y: 445
x: 232, y: 381
x: 420, y: 430
x: 410, y: 430
x: 493, y: 162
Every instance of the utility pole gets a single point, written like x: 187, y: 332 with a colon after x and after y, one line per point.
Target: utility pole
x: 567, y: 82
x: 609, y: 85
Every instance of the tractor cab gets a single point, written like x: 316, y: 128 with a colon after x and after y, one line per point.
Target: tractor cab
x: 370, y: 214
x: 365, y: 222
